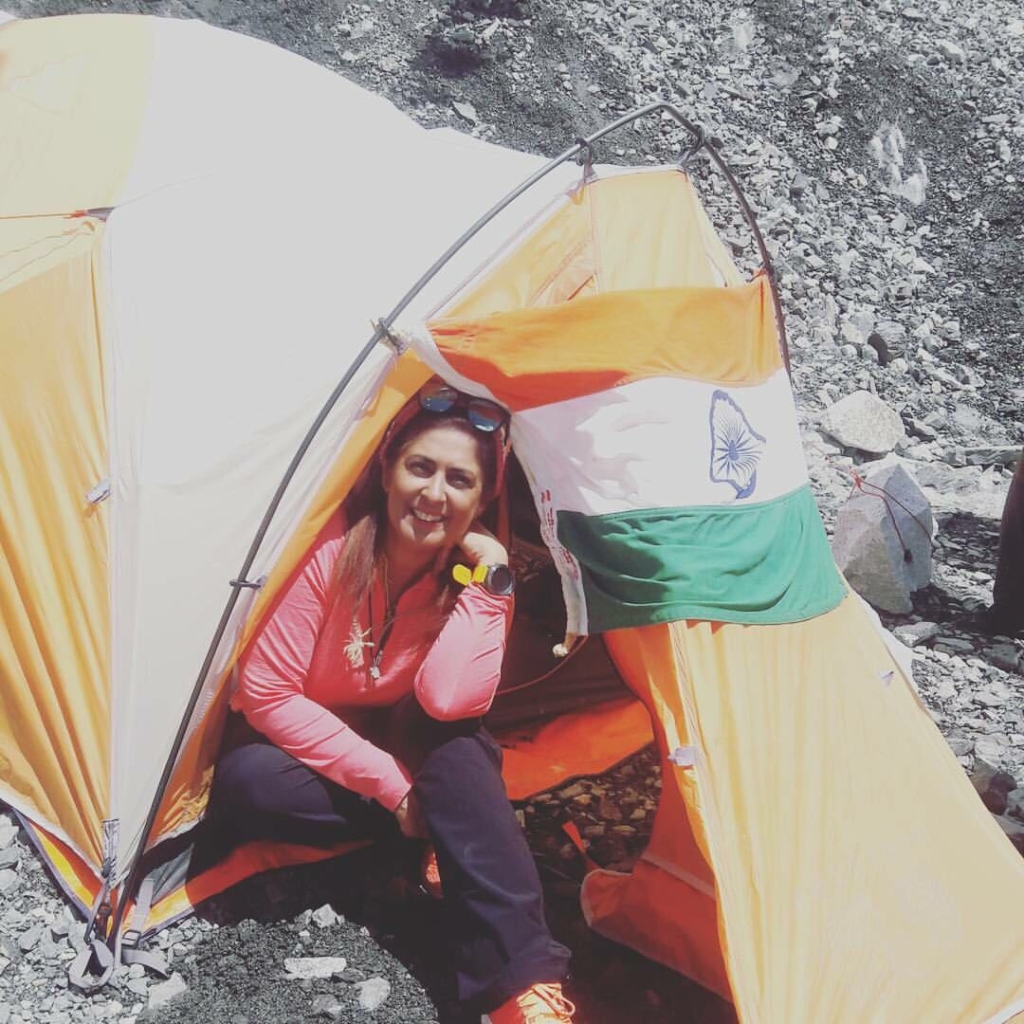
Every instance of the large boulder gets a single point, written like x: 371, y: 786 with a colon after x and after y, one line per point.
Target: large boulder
x: 883, y: 539
x: 863, y: 421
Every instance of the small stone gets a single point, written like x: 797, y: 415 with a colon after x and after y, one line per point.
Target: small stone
x: 314, y: 966
x: 960, y: 745
x: 988, y: 699
x: 8, y: 833
x: 326, y: 916
x: 466, y: 111
x: 326, y: 1006
x: 164, y: 991
x: 10, y: 857
x: 28, y: 940
x: 570, y: 791
x: 350, y: 975
x: 1004, y: 656
x: 916, y: 633
x: 951, y: 51
x: 991, y: 748
x: 372, y: 993
x: 138, y: 986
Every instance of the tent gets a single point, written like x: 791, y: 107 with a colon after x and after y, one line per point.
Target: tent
x: 190, y: 263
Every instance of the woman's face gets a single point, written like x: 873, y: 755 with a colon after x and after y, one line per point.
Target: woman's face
x: 433, y: 490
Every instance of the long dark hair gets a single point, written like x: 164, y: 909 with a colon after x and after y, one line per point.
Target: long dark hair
x: 365, y: 513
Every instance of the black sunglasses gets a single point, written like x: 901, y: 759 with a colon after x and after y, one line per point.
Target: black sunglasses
x: 483, y: 414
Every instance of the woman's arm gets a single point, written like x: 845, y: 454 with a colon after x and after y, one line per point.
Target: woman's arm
x: 460, y: 674
x: 272, y: 687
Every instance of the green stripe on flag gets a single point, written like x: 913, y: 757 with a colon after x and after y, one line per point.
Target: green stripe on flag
x: 757, y: 563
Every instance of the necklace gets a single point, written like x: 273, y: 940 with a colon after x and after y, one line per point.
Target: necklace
x: 385, y: 630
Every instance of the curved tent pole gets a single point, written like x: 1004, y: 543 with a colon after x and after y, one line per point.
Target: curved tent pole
x: 581, y: 146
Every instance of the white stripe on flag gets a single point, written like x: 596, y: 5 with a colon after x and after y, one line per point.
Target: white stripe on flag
x: 664, y: 442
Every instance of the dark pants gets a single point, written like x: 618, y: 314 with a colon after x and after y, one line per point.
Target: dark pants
x: 1008, y: 598
x: 491, y: 887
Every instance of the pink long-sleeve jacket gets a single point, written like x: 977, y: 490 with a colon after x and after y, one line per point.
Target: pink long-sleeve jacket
x: 304, y: 679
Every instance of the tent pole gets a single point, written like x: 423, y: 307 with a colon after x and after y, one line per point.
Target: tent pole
x: 581, y: 146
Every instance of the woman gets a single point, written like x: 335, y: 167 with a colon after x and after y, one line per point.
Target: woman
x: 363, y: 689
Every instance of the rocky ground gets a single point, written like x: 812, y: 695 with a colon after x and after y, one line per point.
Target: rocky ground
x: 881, y: 145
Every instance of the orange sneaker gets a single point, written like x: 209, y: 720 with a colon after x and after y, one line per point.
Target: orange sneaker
x: 430, y: 874
x: 539, y: 1004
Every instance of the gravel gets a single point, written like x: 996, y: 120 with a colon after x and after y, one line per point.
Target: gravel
x: 881, y: 146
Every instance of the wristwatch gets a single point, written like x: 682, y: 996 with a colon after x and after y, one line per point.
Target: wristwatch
x: 498, y: 580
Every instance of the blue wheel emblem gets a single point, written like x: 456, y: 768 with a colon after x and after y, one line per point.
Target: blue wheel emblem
x: 736, y: 448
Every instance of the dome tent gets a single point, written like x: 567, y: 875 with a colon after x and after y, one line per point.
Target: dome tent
x: 188, y: 269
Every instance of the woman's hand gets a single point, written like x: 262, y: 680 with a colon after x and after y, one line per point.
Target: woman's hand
x: 481, y: 547
x: 410, y: 818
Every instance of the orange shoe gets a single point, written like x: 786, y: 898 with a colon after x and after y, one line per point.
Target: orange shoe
x: 539, y: 1004
x: 430, y: 874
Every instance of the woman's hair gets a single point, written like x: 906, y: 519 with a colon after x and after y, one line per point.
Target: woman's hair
x: 365, y: 509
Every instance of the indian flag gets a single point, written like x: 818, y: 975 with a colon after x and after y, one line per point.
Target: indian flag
x: 658, y: 432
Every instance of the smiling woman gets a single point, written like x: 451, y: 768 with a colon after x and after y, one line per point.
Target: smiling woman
x: 358, y: 711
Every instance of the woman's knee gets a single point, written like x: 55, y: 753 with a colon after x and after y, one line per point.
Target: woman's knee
x: 252, y: 778
x: 471, y: 761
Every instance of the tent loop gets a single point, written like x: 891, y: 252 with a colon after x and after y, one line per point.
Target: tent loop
x: 240, y: 584
x: 700, y: 140
x: 396, y: 344
x: 100, y: 492
x: 585, y: 157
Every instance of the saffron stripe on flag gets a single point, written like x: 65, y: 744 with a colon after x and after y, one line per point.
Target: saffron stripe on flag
x: 762, y: 563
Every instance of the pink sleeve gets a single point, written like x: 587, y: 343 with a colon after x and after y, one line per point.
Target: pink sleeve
x: 461, y: 672
x: 271, y: 688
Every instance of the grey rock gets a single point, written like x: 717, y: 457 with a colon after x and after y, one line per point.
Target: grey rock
x: 960, y: 745
x: 992, y: 455
x: 326, y: 916
x: 991, y: 784
x: 863, y: 421
x: 28, y: 940
x: 988, y: 699
x: 882, y: 539
x: 1015, y: 804
x: 350, y: 975
x: 164, y: 991
x: 916, y: 633
x: 373, y: 993
x: 10, y: 857
x: 8, y: 833
x: 314, y: 966
x: 1004, y: 656
x: 327, y: 1006
x: 921, y: 429
x: 951, y: 51
x: 992, y: 748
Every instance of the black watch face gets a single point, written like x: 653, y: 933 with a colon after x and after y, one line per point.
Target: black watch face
x: 500, y: 580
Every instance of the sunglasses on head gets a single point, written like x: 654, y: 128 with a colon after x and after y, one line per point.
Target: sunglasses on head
x: 484, y: 415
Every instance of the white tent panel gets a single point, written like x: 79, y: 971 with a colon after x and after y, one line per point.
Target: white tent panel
x: 235, y: 306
